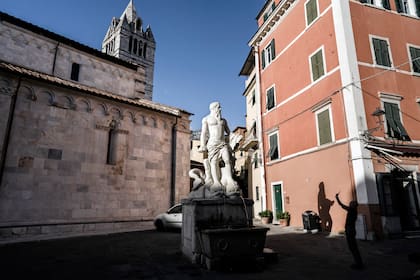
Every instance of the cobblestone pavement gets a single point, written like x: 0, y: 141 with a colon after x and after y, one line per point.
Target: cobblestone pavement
x: 156, y: 255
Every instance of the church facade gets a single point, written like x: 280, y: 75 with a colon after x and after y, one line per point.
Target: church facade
x: 83, y: 148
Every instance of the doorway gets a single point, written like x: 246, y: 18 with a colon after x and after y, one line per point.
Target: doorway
x: 277, y: 198
x: 399, y: 197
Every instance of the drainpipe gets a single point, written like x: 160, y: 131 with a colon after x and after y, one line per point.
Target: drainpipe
x: 55, y: 58
x: 173, y: 163
x: 259, y: 127
x: 6, y: 139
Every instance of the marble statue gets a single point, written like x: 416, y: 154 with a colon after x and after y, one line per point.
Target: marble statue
x: 217, y: 180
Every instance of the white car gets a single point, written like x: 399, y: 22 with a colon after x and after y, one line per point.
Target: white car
x: 170, y: 219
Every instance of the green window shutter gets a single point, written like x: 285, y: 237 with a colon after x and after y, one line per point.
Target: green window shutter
x: 274, y: 151
x: 317, y: 66
x: 393, y: 120
x: 385, y: 4
x: 273, y: 49
x: 324, y: 127
x: 402, y: 133
x: 385, y: 54
x: 270, y: 98
x: 263, y: 59
x: 398, y: 6
x: 311, y: 11
x: 418, y: 7
x: 381, y: 52
x: 415, y: 59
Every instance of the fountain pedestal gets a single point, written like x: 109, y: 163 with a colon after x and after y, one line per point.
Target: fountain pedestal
x: 216, y: 231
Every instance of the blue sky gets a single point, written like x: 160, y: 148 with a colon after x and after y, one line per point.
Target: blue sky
x: 201, y: 44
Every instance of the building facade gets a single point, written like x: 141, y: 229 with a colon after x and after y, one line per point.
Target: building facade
x: 251, y: 144
x: 81, y: 153
x: 339, y: 92
x: 127, y: 39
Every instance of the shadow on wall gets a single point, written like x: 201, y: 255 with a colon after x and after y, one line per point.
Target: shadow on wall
x: 324, y: 206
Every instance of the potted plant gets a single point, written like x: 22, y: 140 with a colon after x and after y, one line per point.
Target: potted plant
x: 283, y: 217
x: 266, y: 216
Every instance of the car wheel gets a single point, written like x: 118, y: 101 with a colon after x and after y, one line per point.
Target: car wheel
x: 159, y: 225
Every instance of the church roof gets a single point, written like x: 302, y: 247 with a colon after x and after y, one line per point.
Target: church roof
x: 54, y: 36
x: 8, y: 67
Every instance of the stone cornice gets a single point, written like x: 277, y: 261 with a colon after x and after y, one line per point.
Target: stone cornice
x: 275, y: 16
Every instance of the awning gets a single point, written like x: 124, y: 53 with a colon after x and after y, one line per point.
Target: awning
x: 403, y: 150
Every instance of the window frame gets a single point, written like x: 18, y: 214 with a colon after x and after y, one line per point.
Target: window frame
x: 391, y: 99
x: 273, y: 87
x: 373, y: 52
x: 269, y: 135
x: 332, y: 134
x: 324, y: 64
x: 410, y: 58
x: 268, y: 54
x: 306, y: 12
x: 75, y: 71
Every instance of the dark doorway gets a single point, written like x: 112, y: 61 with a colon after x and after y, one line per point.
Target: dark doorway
x: 399, y: 197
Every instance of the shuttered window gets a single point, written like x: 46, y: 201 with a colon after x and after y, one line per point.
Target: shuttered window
x: 415, y: 59
x: 270, y: 98
x: 274, y: 149
x: 395, y: 128
x: 311, y: 11
x: 268, y: 54
x: 381, y: 51
x: 324, y: 127
x: 317, y: 65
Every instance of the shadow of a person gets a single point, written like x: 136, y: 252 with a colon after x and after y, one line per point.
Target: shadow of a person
x: 324, y: 206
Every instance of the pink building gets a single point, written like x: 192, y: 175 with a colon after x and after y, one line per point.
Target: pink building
x: 338, y: 84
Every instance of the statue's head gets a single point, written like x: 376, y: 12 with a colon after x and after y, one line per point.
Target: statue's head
x: 215, y: 108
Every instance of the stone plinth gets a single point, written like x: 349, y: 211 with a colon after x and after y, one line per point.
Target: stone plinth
x: 214, y: 229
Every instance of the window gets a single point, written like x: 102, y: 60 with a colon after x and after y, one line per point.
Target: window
x: 274, y: 148
x: 255, y: 160
x: 381, y: 52
x: 253, y: 98
x: 408, y: 7
x: 271, y: 102
x: 415, y: 59
x: 269, y: 11
x: 135, y: 46
x: 394, y: 126
x: 317, y: 65
x: 75, y: 68
x: 311, y: 9
x: 144, y: 50
x: 268, y: 54
x: 130, y: 44
x: 324, y: 126
x: 380, y: 3
x: 257, y: 193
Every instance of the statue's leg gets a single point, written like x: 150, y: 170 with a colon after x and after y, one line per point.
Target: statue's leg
x: 214, y: 164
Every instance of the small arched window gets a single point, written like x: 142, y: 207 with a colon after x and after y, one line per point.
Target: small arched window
x: 144, y: 50
x: 140, y: 48
x: 130, y: 44
x: 135, y: 46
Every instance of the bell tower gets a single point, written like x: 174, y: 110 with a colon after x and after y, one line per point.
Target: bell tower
x: 128, y: 40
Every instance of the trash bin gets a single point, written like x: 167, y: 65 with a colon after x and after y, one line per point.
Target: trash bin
x: 310, y: 220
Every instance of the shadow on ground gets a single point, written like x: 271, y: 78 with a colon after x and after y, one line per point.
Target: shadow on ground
x: 157, y: 255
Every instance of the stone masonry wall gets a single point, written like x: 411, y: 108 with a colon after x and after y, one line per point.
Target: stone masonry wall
x: 56, y: 169
x: 30, y: 50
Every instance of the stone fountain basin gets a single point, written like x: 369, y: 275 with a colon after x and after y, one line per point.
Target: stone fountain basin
x: 232, y: 244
